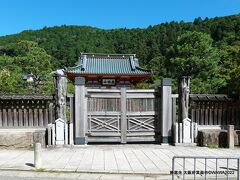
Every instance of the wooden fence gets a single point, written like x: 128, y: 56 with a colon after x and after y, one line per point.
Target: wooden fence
x: 25, y: 111
x: 215, y: 110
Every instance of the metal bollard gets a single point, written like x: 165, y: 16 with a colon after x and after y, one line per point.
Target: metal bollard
x: 37, y: 155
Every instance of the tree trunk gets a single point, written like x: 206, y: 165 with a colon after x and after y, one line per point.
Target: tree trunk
x: 184, y: 89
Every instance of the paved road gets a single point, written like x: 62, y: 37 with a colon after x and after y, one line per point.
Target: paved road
x: 137, y: 159
x: 63, y: 176
x: 116, y: 161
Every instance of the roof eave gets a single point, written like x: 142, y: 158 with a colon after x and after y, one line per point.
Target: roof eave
x: 102, y: 74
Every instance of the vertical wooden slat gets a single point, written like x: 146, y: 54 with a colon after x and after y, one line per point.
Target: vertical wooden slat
x: 210, y: 113
x: 9, y: 118
x: 45, y: 117
x: 225, y: 114
x: 233, y: 114
x: 20, y: 117
x: 22, y: 113
x: 4, y: 118
x: 30, y: 116
x: 220, y: 114
x: 1, y: 118
x: 215, y: 119
x: 35, y: 115
x: 25, y: 118
x: 202, y: 120
x: 15, y: 118
x: 193, y: 117
x: 50, y: 113
x: 197, y: 109
x: 238, y: 115
x: 206, y: 109
x: 40, y: 117
x: 228, y: 113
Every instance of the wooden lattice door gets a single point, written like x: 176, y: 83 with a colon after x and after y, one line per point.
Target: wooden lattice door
x: 121, y: 116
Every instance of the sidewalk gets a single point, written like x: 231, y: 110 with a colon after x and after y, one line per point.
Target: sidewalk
x: 143, y: 160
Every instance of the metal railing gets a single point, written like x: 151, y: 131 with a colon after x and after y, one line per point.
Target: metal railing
x: 183, y: 170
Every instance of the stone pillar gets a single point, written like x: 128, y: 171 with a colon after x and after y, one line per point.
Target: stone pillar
x: 37, y: 155
x: 187, y: 131
x: 166, y: 114
x: 61, y: 94
x: 80, y: 111
x: 123, y: 115
x: 60, y: 124
x: 230, y: 136
x: 184, y: 90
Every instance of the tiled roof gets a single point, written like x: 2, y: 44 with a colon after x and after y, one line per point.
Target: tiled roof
x: 108, y: 64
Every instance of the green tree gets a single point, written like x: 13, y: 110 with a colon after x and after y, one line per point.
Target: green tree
x: 6, y: 82
x: 64, y: 44
x: 230, y: 68
x: 195, y: 56
x: 26, y: 57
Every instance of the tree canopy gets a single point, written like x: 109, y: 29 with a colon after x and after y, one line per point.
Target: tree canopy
x: 167, y: 48
x: 25, y: 57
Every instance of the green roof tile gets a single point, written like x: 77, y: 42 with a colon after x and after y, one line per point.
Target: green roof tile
x: 107, y: 64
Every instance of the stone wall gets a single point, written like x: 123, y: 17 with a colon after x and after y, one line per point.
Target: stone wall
x: 22, y: 138
x: 216, y: 137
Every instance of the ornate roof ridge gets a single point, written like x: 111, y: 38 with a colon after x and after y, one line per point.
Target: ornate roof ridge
x: 108, y: 55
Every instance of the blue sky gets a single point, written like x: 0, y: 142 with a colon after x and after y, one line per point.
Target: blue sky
x: 19, y: 15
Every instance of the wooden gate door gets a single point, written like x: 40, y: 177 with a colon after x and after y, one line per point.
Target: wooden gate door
x: 104, y: 115
x: 121, y: 115
x: 142, y: 116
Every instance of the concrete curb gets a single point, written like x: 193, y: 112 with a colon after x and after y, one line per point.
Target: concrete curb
x: 87, y: 171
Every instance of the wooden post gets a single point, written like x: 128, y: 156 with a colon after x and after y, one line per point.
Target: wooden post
x: 80, y: 111
x: 166, y: 115
x: 184, y: 89
x: 50, y: 114
x: 1, y: 119
x: 123, y: 115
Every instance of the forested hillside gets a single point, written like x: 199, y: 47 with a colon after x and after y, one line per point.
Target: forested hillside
x: 157, y: 48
